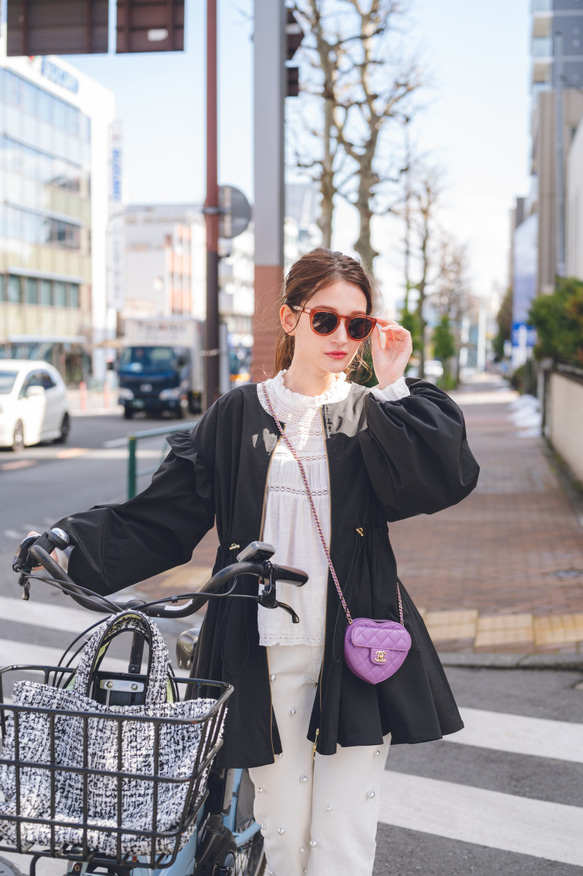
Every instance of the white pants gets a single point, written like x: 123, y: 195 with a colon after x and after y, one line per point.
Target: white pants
x: 318, y: 814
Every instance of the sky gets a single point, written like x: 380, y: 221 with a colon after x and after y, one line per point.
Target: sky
x: 474, y: 123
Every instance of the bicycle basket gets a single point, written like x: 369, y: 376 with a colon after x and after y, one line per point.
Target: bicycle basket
x: 81, y: 779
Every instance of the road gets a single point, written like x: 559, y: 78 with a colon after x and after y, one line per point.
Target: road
x: 42, y: 484
x: 504, y: 795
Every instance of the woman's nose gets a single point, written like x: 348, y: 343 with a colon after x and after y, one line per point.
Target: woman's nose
x: 340, y: 334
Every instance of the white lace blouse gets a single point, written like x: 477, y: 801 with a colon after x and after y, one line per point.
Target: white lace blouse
x: 289, y: 525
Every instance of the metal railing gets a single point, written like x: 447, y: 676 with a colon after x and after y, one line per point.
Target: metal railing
x: 133, y: 472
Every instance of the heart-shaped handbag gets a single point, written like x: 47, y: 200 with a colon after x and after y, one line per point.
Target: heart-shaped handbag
x: 375, y: 649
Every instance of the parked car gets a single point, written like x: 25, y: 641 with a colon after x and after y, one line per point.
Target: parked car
x: 33, y: 404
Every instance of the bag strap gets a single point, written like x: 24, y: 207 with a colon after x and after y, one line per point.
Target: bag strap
x: 95, y: 649
x: 315, y: 513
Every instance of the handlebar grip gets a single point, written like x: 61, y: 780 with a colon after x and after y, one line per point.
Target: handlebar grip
x: 289, y: 575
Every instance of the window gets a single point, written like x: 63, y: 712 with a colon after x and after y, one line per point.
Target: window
x: 14, y: 296
x: 73, y: 295
x: 60, y: 294
x: 30, y: 291
x: 46, y: 380
x: 46, y: 293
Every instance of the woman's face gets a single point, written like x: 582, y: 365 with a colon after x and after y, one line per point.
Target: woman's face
x: 325, y: 353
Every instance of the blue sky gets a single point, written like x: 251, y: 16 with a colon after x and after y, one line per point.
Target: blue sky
x: 475, y: 123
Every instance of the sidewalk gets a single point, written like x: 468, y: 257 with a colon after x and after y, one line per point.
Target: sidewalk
x: 503, y: 571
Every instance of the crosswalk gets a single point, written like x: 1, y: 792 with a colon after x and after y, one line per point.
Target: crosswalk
x: 469, y: 811
x: 538, y: 828
x: 493, y: 805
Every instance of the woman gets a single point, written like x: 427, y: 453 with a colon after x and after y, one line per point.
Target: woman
x: 314, y: 736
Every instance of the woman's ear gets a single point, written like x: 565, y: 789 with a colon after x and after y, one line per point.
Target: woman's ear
x: 288, y: 319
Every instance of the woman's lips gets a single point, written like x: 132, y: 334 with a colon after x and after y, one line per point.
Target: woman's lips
x: 339, y: 355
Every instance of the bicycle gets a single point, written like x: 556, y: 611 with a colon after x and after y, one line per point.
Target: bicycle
x: 224, y: 840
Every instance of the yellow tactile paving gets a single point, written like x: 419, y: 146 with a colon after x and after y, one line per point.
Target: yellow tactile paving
x: 446, y: 625
x: 504, y: 629
x: 558, y: 629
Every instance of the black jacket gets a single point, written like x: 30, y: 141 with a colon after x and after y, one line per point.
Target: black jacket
x: 387, y: 461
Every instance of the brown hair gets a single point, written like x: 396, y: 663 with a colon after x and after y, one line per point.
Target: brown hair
x: 316, y: 270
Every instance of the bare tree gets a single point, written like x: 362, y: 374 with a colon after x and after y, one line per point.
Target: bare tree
x: 366, y: 87
x: 452, y: 297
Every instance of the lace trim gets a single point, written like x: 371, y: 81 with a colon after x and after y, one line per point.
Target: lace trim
x: 297, y: 404
x: 281, y: 488
x: 282, y: 639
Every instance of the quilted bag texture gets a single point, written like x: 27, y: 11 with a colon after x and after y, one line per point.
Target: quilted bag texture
x: 375, y: 650
x: 94, y: 776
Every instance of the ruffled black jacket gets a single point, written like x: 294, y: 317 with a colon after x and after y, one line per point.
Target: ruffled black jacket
x: 387, y: 461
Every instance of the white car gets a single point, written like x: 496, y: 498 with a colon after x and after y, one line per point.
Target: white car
x: 33, y: 404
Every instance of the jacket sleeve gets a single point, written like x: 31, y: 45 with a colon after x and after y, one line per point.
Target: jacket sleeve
x: 416, y: 452
x: 116, y: 546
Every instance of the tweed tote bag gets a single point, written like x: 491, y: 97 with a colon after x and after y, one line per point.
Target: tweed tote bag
x: 116, y: 779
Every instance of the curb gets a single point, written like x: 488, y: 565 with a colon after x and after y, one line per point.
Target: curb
x: 569, y: 662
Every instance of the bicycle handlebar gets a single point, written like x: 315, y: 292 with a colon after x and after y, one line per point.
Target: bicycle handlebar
x: 261, y: 568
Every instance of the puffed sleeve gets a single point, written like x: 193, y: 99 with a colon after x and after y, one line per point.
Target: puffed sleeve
x: 118, y: 545
x: 416, y: 452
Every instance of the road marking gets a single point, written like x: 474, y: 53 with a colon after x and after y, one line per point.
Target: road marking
x: 44, y: 614
x: 26, y: 653
x: 71, y: 453
x: 539, y: 737
x: 18, y: 463
x: 485, y: 818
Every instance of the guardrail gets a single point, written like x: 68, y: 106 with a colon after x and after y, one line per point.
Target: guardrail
x: 133, y: 472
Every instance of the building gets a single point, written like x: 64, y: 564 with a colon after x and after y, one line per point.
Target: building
x: 165, y: 275
x: 56, y: 181
x: 164, y: 261
x: 556, y: 109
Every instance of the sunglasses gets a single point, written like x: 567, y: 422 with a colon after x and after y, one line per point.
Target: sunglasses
x: 325, y: 322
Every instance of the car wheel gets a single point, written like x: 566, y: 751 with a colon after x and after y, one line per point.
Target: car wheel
x: 127, y: 413
x: 65, y: 429
x: 18, y: 436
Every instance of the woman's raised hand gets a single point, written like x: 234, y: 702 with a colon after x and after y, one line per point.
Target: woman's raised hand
x: 391, y: 350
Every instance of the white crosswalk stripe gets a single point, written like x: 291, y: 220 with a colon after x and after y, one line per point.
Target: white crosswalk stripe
x: 485, y: 817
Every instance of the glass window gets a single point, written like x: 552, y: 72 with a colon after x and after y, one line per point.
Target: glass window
x: 60, y: 294
x: 30, y: 291
x: 30, y: 98
x: 46, y: 380
x: 73, y: 295
x: 15, y: 89
x: 14, y: 224
x: 59, y: 109
x: 14, y: 296
x: 44, y: 105
x: 30, y: 229
x: 46, y: 293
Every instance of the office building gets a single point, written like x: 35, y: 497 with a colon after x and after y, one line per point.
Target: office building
x: 59, y: 184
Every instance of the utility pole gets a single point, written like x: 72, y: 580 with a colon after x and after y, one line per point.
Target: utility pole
x: 211, y: 213
x: 270, y: 73
x: 559, y: 136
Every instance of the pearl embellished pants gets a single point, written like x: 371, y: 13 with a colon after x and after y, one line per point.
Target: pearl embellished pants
x: 318, y: 815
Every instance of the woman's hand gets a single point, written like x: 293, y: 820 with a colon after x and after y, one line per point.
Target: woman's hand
x: 391, y: 350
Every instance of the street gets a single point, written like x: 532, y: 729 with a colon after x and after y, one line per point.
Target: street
x: 504, y: 794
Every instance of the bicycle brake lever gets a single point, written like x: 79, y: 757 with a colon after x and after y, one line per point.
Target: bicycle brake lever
x: 289, y: 609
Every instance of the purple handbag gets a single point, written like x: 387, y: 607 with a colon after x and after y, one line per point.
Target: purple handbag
x: 373, y: 649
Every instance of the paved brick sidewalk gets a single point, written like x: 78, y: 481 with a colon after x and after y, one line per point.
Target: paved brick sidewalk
x: 502, y: 571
